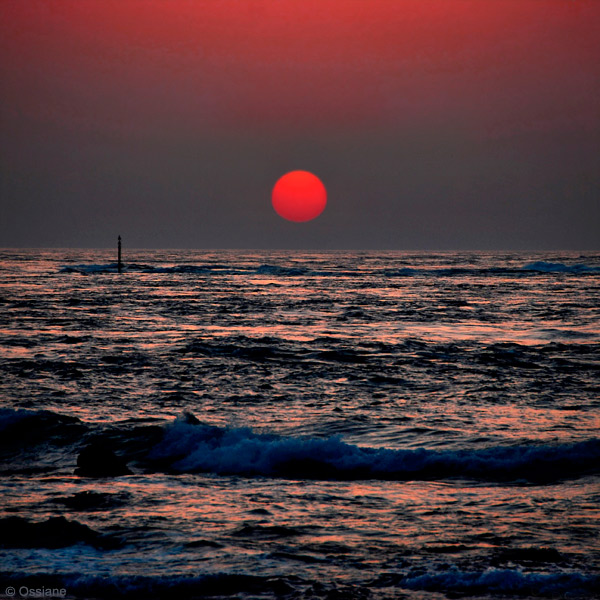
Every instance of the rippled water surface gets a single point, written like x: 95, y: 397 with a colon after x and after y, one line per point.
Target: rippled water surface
x: 300, y: 425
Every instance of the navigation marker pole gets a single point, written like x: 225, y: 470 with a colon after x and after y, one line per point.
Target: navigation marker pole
x: 119, y: 263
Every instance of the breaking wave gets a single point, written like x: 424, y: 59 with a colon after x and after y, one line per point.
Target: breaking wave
x: 507, y: 582
x: 212, y: 585
x: 187, y: 445
x: 504, y: 582
x: 193, y: 447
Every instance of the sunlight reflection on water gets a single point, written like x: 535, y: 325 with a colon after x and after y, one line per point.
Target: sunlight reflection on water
x: 344, y: 361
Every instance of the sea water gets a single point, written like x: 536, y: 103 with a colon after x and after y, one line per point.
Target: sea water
x: 300, y: 424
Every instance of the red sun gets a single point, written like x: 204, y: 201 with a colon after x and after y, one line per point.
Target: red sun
x: 299, y: 196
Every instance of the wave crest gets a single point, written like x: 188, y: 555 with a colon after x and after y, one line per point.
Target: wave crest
x: 196, y: 447
x: 497, y: 581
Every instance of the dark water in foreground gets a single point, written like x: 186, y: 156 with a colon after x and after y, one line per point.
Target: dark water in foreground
x: 300, y: 425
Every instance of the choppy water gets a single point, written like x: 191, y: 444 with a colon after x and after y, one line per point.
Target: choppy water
x: 301, y: 425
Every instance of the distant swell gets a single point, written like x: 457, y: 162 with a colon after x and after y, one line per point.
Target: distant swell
x: 531, y: 269
x: 89, y: 269
x: 190, y: 447
x: 550, y: 267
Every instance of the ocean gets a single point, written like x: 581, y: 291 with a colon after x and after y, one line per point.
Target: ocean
x: 302, y: 425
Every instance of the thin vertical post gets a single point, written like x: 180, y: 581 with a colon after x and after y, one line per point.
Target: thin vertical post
x: 119, y: 263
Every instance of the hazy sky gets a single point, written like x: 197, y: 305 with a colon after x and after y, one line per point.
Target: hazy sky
x: 434, y: 124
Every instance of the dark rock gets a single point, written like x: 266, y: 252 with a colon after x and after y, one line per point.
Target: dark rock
x: 527, y: 556
x: 97, y: 460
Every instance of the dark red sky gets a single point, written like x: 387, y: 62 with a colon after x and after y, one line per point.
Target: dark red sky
x: 433, y: 123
